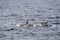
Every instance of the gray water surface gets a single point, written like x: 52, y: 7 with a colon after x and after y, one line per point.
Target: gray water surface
x: 14, y: 12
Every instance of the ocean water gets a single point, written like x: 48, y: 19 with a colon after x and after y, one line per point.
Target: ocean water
x: 14, y: 12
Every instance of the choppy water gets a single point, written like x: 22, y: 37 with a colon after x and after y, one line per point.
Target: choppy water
x: 14, y: 12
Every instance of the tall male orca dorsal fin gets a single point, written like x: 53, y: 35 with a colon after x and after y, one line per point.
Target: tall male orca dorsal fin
x: 26, y: 21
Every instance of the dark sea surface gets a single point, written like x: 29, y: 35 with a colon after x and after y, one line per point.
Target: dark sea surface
x: 14, y: 12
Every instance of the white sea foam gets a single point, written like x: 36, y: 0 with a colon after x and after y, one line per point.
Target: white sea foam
x: 53, y: 26
x: 17, y: 25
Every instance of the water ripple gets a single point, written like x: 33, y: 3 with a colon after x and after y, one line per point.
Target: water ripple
x: 2, y: 35
x: 56, y: 17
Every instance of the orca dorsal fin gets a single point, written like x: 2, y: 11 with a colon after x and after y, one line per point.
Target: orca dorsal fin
x: 26, y: 21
